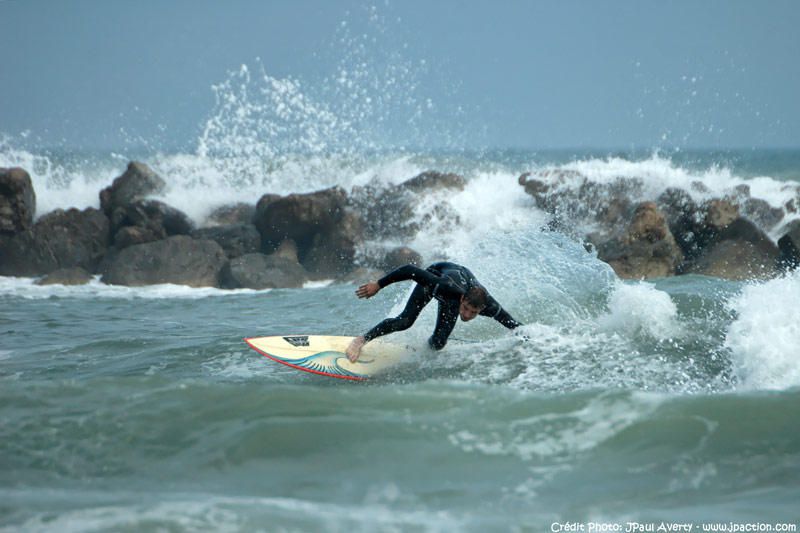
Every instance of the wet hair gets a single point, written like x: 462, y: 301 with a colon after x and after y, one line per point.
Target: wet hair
x: 477, y: 297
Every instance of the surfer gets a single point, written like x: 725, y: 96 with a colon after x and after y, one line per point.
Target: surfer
x: 459, y: 294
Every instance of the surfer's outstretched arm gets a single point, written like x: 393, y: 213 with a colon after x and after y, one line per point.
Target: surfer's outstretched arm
x: 438, y: 284
x: 494, y: 310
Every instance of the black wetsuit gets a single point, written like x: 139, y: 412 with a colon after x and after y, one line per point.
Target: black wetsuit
x: 447, y: 282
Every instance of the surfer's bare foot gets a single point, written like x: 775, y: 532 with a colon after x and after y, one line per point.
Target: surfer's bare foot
x: 354, y: 350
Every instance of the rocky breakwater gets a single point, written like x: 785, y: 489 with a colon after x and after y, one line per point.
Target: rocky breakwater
x: 286, y: 241
x: 669, y: 235
x: 60, y: 239
x: 134, y: 239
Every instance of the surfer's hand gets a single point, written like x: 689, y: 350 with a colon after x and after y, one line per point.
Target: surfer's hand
x: 354, y: 349
x: 368, y: 290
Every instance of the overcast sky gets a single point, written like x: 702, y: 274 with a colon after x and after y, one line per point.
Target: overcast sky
x: 534, y: 74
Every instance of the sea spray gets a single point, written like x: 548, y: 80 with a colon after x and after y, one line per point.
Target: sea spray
x: 764, y: 338
x: 641, y: 309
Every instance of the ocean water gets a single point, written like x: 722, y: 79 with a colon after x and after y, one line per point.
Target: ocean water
x: 141, y: 409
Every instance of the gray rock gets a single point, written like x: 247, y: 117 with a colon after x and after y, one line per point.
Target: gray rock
x: 235, y: 239
x: 259, y: 271
x: 789, y: 246
x: 738, y: 251
x: 332, y: 253
x: 154, y: 213
x: 762, y: 213
x: 288, y: 250
x: 735, y: 260
x: 66, y: 276
x: 390, y: 212
x: 387, y: 213
x: 574, y: 200
x: 60, y: 239
x: 132, y: 235
x: 154, y: 217
x: 263, y: 203
x: 684, y: 218
x: 321, y: 224
x: 299, y: 217
x: 226, y: 215
x: 646, y: 249
x: 179, y: 259
x: 397, y: 257
x: 711, y: 219
x: 432, y: 180
x: 17, y: 201
x: 718, y: 214
x: 138, y: 182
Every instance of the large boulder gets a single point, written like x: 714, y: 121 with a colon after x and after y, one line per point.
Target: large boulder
x: 17, y: 201
x: 391, y: 212
x: 719, y: 214
x: 299, y: 217
x: 259, y: 271
x: 133, y: 235
x: 646, y: 249
x: 333, y: 253
x: 321, y: 224
x: 387, y: 212
x: 239, y: 213
x: 789, y: 245
x: 735, y: 260
x: 738, y: 251
x: 400, y: 256
x: 235, y: 239
x: 695, y: 227
x: 684, y: 219
x: 432, y: 180
x: 154, y: 219
x: 60, y: 239
x: 180, y: 260
x: 762, y: 213
x: 66, y: 276
x: 574, y: 200
x: 138, y: 182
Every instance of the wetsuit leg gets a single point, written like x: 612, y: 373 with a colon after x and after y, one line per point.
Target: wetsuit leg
x: 445, y: 322
x: 420, y: 297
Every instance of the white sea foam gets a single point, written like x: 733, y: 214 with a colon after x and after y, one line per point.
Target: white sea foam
x: 27, y: 288
x: 658, y: 173
x: 242, y: 365
x: 561, y: 434
x: 491, y: 205
x: 764, y: 339
x: 209, y: 512
x: 640, y: 308
x: 60, y: 183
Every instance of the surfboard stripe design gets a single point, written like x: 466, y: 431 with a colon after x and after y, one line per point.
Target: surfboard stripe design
x: 322, y: 363
x: 324, y: 355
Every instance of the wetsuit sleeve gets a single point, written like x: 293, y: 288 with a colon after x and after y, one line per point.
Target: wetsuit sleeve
x: 441, y: 284
x: 494, y: 310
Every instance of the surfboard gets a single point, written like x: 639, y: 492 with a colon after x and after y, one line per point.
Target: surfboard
x: 324, y: 355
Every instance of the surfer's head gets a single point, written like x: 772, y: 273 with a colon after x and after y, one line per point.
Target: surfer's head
x: 472, y: 303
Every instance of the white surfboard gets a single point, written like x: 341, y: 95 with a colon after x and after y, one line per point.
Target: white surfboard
x: 324, y: 355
